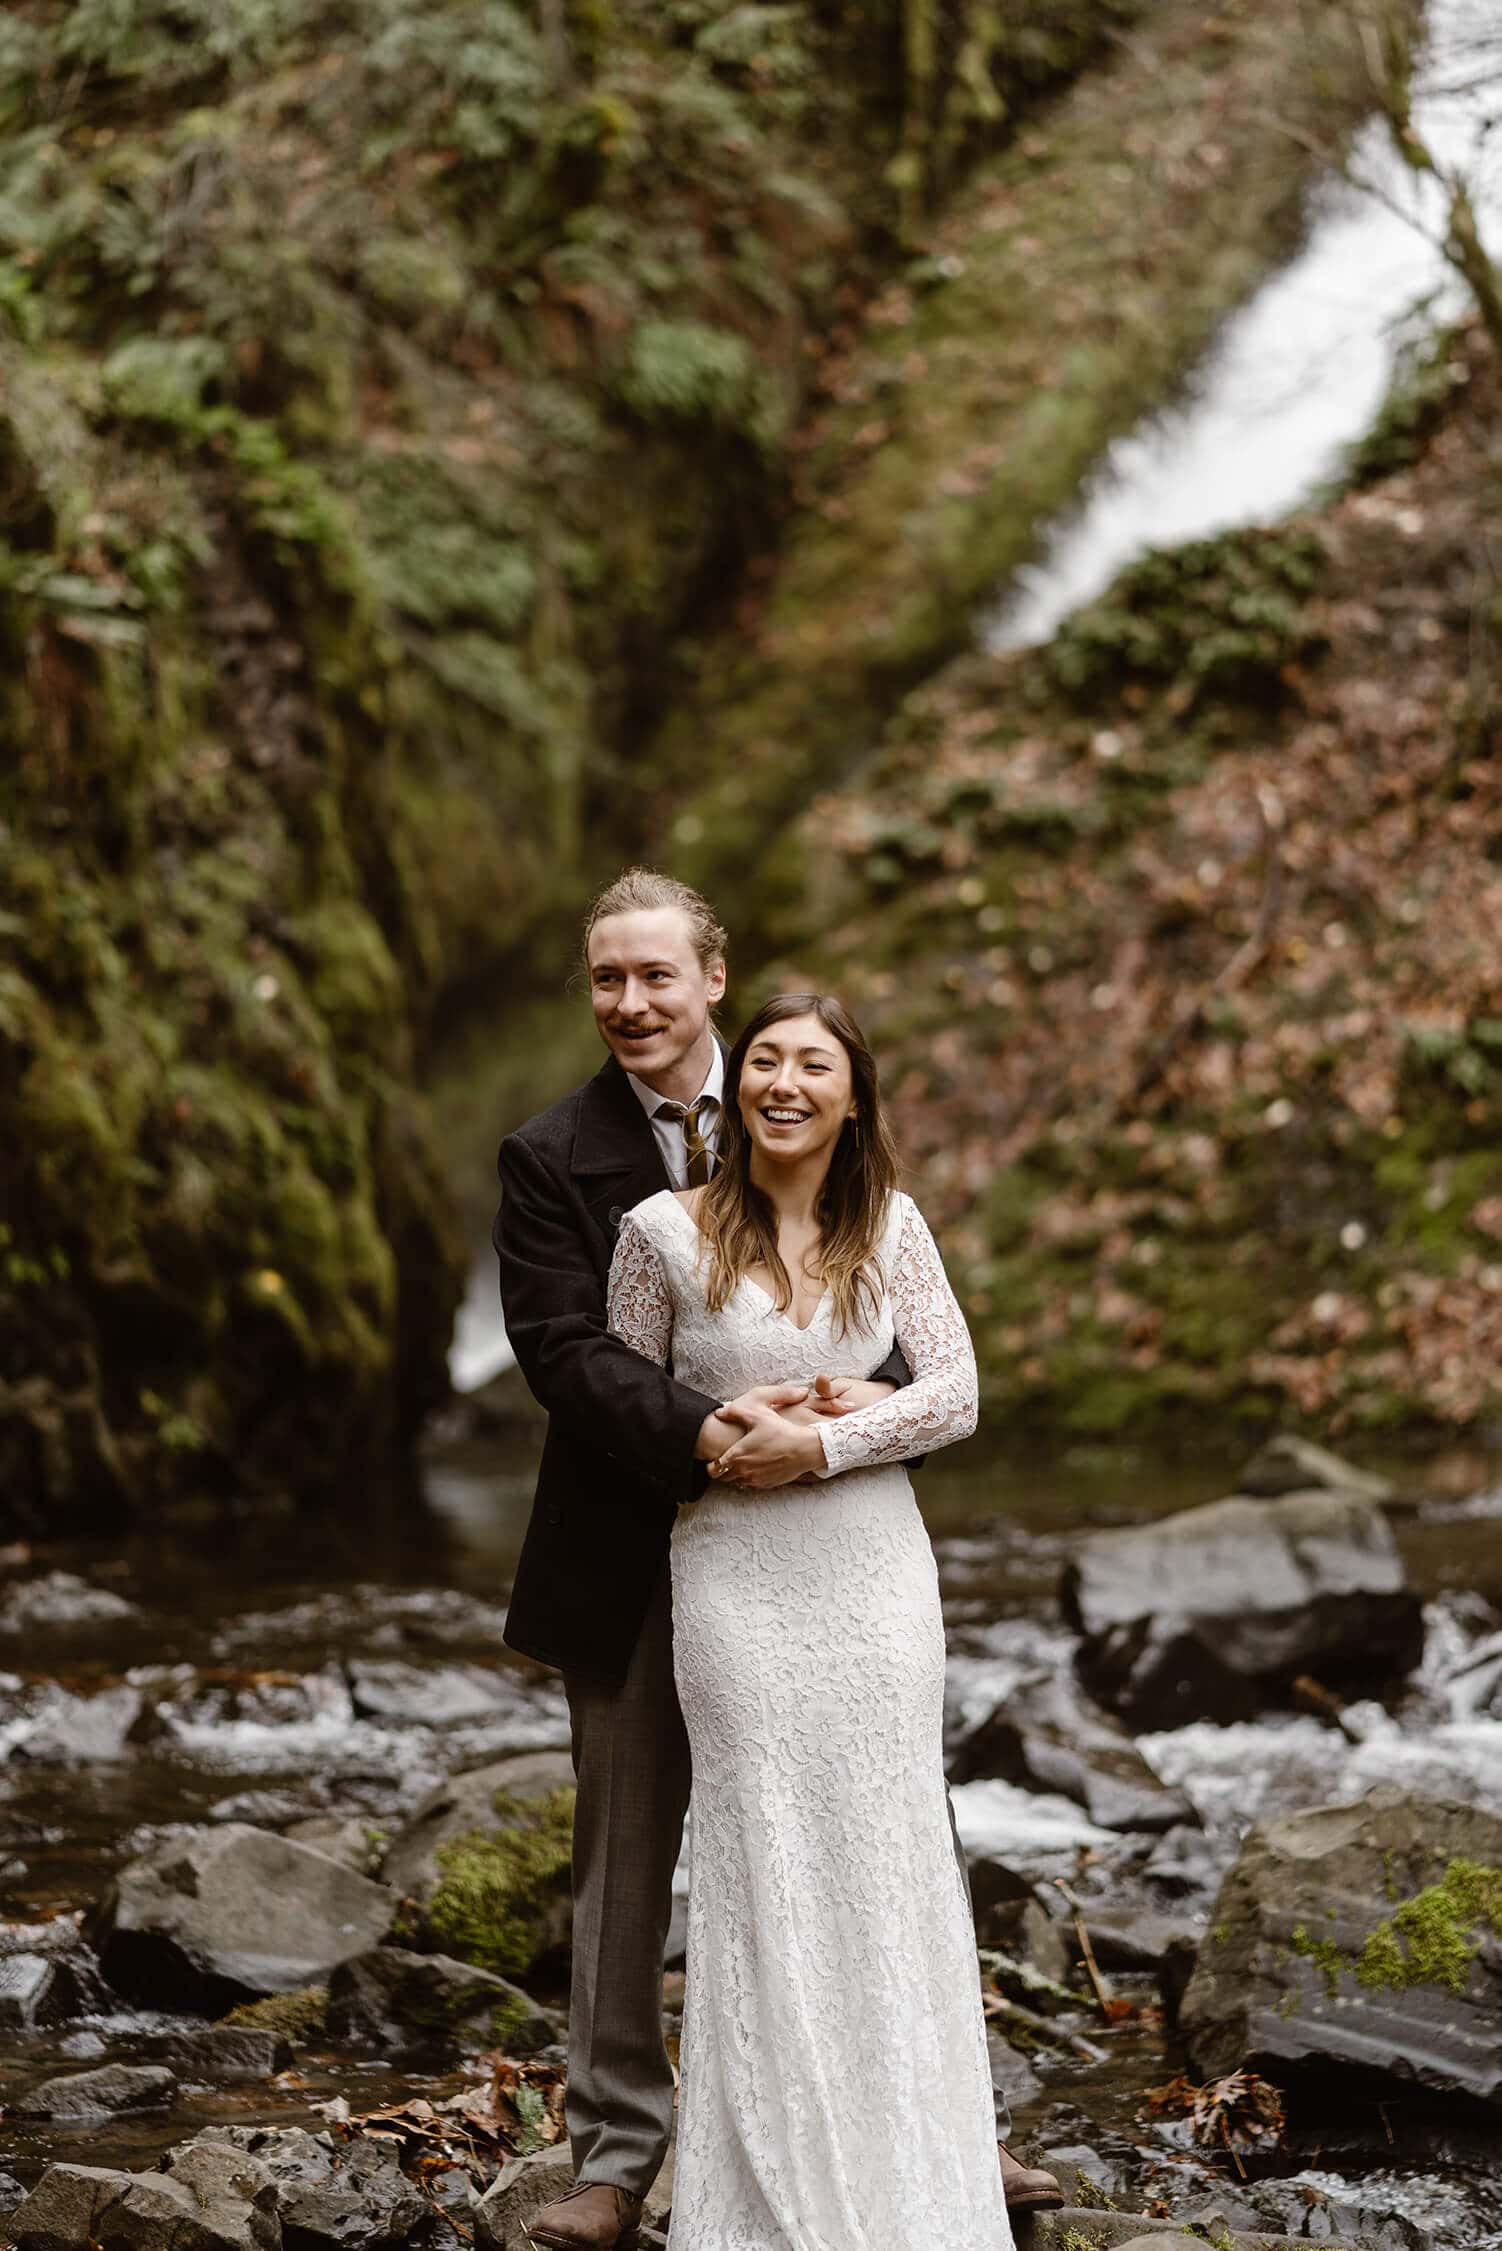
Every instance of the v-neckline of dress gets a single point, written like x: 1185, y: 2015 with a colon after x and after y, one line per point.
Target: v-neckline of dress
x: 748, y: 1281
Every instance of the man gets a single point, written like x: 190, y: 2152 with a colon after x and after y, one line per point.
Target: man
x: 625, y: 1449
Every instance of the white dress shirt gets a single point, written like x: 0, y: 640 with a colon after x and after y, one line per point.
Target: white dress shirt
x: 668, y: 1132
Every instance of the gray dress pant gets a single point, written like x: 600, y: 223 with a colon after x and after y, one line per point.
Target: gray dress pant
x: 631, y: 1759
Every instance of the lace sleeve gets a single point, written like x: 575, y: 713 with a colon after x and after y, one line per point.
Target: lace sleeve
x: 940, y: 1403
x: 639, y: 1307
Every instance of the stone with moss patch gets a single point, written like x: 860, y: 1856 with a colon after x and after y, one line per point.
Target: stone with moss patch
x: 1317, y: 1976
x: 502, y: 1893
x: 299, y: 2017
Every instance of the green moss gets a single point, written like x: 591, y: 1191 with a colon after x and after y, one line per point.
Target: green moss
x: 507, y: 2019
x: 1328, y: 1958
x: 1220, y: 615
x: 498, y: 1888
x: 1430, y: 1939
x: 1075, y: 2240
x: 299, y: 2017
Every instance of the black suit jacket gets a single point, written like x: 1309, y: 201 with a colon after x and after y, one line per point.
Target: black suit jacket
x: 618, y: 1460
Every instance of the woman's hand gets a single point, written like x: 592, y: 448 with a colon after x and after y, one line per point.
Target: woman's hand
x: 774, y: 1451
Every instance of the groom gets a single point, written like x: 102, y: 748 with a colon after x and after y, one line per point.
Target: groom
x: 626, y: 1447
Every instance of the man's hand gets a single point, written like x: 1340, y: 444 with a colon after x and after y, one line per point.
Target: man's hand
x: 844, y: 1395
x: 728, y: 1423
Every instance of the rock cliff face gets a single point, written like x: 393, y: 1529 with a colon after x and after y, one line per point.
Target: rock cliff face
x: 380, y: 389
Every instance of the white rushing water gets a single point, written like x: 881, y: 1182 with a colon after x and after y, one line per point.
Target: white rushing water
x: 1298, y: 374
x: 480, y: 1348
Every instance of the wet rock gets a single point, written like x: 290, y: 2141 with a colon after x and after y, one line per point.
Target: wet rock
x: 1041, y: 1738
x: 113, y: 2088
x: 59, y: 1598
x: 84, y: 1730
x: 393, y: 1998
x: 521, y: 2189
x: 1011, y: 2072
x: 76, y: 2205
x: 357, y: 2196
x: 350, y: 1838
x: 1084, y: 2176
x: 998, y: 1895
x: 1140, y: 1941
x: 1202, y: 1614
x: 11, y: 2192
x: 437, y: 1696
x: 1289, y: 1464
x: 1184, y: 1861
x: 1366, y: 1937
x: 26, y: 1986
x: 1313, y: 2216
x: 221, y: 2054
x: 204, y: 1921
x: 57, y: 1936
x: 1088, y: 2228
x: 466, y: 1802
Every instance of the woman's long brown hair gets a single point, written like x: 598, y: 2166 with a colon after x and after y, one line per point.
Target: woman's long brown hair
x: 736, y: 1218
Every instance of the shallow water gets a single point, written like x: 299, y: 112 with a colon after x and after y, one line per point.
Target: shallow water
x: 294, y: 1666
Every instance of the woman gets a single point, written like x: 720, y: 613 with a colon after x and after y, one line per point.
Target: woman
x: 835, y: 2088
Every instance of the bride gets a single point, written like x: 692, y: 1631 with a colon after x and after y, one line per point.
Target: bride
x: 835, y: 2086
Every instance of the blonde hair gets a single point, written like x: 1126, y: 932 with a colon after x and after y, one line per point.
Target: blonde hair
x: 638, y: 889
x: 737, y: 1221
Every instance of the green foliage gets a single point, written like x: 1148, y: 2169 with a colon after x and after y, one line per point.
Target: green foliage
x: 1426, y: 379
x: 686, y: 371
x: 162, y: 378
x: 1222, y: 616
x: 498, y: 1887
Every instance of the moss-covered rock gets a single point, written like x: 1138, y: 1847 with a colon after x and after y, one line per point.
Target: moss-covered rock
x: 1363, y: 1937
x: 503, y: 1893
x: 299, y: 2017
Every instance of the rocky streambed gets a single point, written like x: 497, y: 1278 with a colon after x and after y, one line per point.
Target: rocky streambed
x: 283, y: 1845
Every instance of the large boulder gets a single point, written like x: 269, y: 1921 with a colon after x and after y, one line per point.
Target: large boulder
x: 76, y: 2205
x: 112, y: 2088
x: 486, y: 1861
x: 1203, y: 1614
x: 219, y: 2055
x: 466, y: 1803
x: 1041, y: 1738
x: 202, y: 1922
x: 1365, y: 1937
x: 397, y: 1999
x: 355, y: 2195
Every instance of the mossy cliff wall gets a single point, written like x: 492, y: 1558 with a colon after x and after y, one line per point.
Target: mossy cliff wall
x: 381, y: 389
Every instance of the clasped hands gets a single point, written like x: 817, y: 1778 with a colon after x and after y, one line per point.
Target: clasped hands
x: 770, y: 1436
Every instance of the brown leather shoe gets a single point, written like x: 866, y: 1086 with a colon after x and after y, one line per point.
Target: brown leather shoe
x: 592, y: 2217
x: 1027, y: 2188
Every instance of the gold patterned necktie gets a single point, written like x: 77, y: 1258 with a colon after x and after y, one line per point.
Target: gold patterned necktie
x: 691, y: 1118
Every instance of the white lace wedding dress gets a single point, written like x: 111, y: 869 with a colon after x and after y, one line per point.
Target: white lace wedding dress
x: 835, y: 2089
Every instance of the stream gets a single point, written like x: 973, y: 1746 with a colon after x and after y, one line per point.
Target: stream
x: 311, y: 1665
